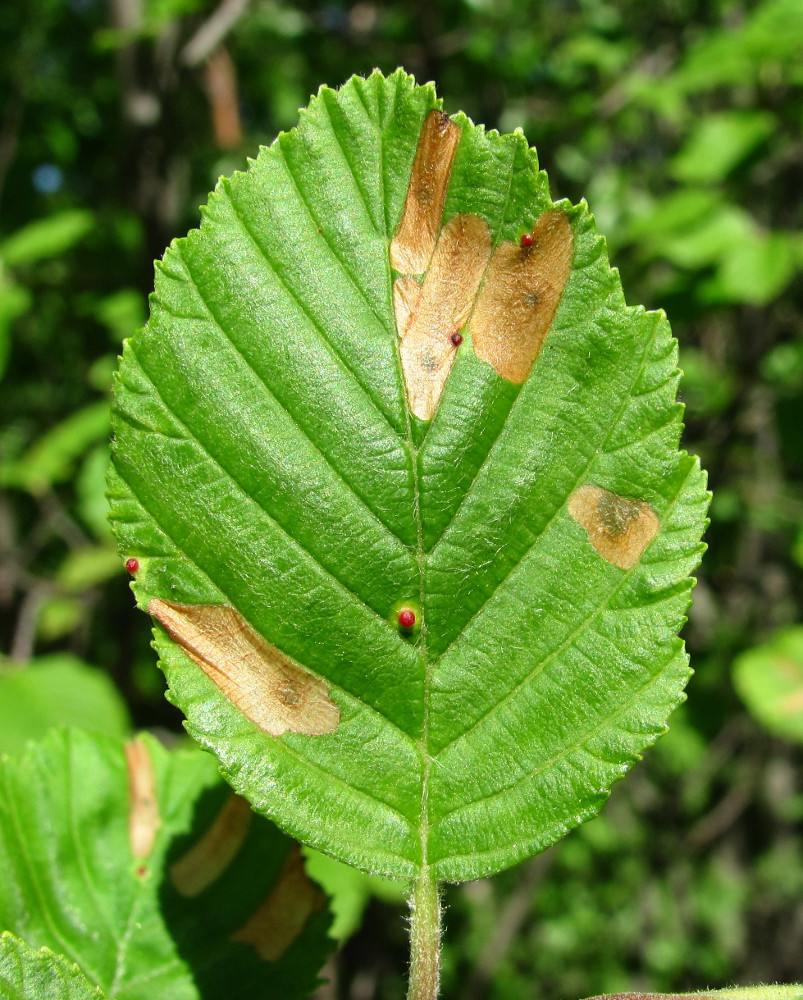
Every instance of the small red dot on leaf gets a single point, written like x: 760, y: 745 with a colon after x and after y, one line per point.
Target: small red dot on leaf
x: 132, y: 565
x: 527, y: 240
x: 457, y: 339
x: 141, y: 870
x: 407, y: 618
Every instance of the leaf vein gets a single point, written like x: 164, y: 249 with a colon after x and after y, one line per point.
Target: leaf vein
x: 539, y: 667
x: 22, y: 843
x: 167, y: 534
x: 564, y: 753
x: 303, y: 199
x: 673, y: 419
x: 327, y: 96
x: 296, y: 298
x: 331, y: 776
x: 192, y: 437
x: 503, y: 425
x: 292, y: 417
x: 597, y: 452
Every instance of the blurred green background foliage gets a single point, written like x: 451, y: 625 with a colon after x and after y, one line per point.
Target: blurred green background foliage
x: 680, y: 122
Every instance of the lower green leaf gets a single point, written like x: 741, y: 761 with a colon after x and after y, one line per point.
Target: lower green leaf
x: 140, y: 866
x: 30, y: 974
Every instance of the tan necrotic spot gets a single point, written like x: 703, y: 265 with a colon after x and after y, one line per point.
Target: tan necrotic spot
x: 441, y: 309
x: 414, y: 241
x: 276, y: 924
x: 270, y: 689
x: 143, y: 808
x: 209, y: 857
x: 406, y: 293
x: 619, y: 529
x: 520, y: 296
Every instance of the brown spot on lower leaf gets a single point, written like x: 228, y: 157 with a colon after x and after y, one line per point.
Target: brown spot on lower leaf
x: 277, y: 694
x: 619, y: 529
x: 210, y: 856
x: 415, y: 237
x: 520, y: 296
x: 442, y: 308
x: 143, y: 808
x: 276, y: 924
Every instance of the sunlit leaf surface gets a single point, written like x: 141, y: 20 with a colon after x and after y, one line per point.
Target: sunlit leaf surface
x: 336, y: 415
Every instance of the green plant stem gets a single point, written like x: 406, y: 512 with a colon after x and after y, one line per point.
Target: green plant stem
x: 425, y: 939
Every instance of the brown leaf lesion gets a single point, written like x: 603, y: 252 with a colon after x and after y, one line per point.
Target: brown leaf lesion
x: 143, y: 807
x: 619, y: 529
x: 414, y: 242
x: 281, y: 918
x: 203, y: 864
x: 273, y: 691
x: 520, y: 297
x: 440, y: 308
x: 509, y: 299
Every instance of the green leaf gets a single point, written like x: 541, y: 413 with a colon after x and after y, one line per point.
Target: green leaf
x: 90, y: 488
x: 141, y: 867
x: 46, y: 237
x: 769, y: 679
x: 349, y: 890
x: 30, y: 974
x: 56, y: 690
x: 86, y: 567
x: 59, y: 615
x: 51, y: 459
x: 712, y: 240
x: 719, y: 142
x: 122, y: 312
x: 756, y: 269
x: 267, y: 459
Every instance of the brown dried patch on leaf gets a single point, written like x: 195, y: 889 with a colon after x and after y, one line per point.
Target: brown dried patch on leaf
x: 406, y: 293
x: 618, y: 528
x: 272, y: 928
x: 143, y: 808
x: 273, y: 691
x: 209, y: 857
x: 443, y: 307
x: 414, y: 241
x: 520, y: 296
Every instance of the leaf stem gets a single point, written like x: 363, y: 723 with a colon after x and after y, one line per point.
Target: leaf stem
x: 425, y: 938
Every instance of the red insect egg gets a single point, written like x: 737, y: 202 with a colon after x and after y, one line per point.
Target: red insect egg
x: 456, y: 339
x: 132, y: 565
x: 526, y: 240
x: 407, y: 618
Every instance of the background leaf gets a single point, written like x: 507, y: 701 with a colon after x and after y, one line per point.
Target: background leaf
x: 51, y: 459
x: 769, y: 678
x: 46, y: 237
x: 719, y: 143
x: 56, y: 690
x: 265, y: 459
x: 38, y: 974
x: 149, y: 884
